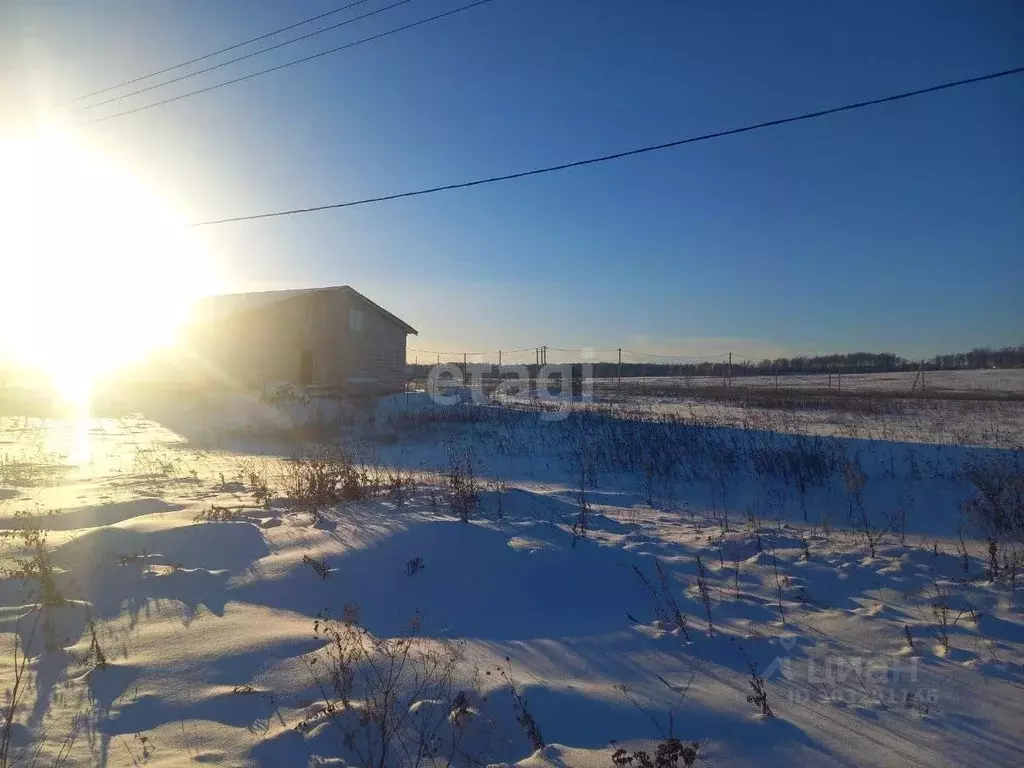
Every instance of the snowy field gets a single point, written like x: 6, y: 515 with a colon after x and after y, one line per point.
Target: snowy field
x: 942, y: 422
x: 1007, y: 380
x: 486, y: 585
x: 977, y: 407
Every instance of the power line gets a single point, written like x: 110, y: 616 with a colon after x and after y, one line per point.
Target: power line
x: 676, y: 357
x: 503, y: 351
x: 260, y: 52
x: 217, y: 53
x: 286, y: 64
x: 436, y: 352
x: 709, y: 357
x: 643, y: 354
x: 618, y: 155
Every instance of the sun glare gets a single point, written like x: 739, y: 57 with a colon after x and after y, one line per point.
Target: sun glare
x: 96, y: 271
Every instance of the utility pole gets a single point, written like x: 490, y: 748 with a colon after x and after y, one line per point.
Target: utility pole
x: 618, y: 372
x: 776, y: 377
x: 919, y: 377
x: 840, y: 378
x: 730, y: 371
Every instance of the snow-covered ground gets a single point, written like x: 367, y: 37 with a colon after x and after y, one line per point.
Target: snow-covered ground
x: 944, y: 422
x: 975, y: 380
x: 621, y: 577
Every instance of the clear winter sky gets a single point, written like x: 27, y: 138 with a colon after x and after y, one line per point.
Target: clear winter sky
x: 898, y: 227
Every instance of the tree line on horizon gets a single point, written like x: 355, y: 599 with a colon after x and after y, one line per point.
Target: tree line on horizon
x: 851, y: 362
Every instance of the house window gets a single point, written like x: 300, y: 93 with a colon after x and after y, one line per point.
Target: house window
x: 356, y: 319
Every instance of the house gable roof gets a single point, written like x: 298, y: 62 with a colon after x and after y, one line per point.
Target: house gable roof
x: 225, y: 306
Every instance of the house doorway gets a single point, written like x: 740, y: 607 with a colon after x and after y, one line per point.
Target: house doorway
x: 306, y: 367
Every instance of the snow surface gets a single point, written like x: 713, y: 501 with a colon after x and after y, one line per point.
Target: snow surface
x: 973, y: 380
x: 207, y: 627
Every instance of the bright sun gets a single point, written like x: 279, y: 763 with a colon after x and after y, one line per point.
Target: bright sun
x: 96, y: 272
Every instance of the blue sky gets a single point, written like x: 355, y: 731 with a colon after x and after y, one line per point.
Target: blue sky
x: 898, y: 227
